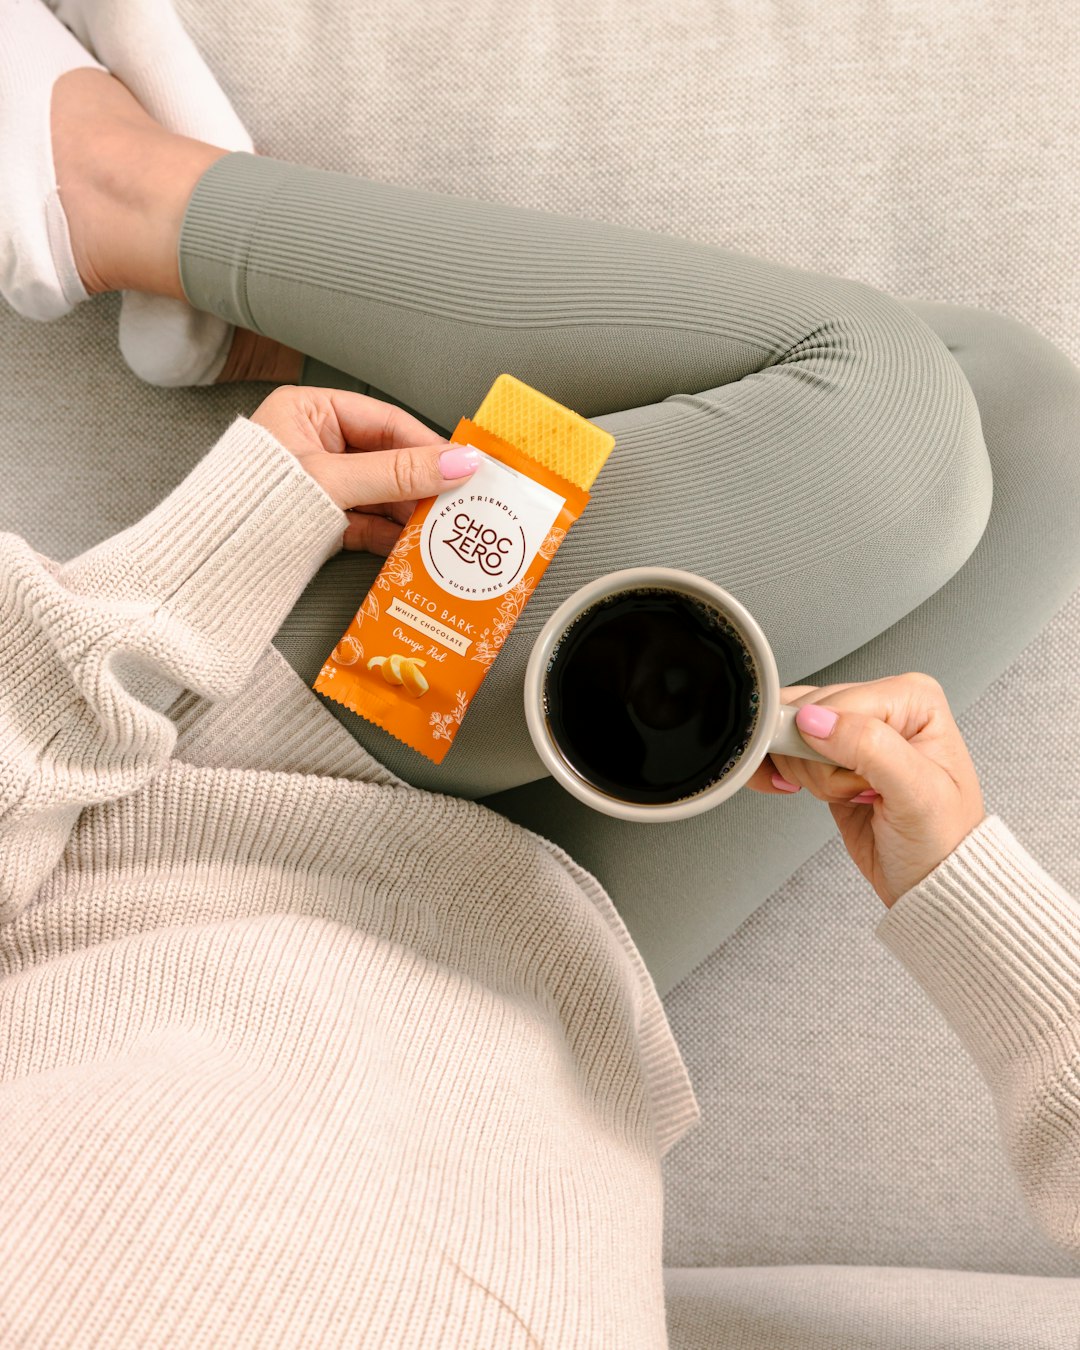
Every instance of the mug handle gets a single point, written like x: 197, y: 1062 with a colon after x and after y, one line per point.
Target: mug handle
x: 788, y: 741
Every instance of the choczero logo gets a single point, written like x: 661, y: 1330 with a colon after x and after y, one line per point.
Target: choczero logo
x: 475, y: 542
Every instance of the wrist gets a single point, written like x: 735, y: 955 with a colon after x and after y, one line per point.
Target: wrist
x: 313, y: 466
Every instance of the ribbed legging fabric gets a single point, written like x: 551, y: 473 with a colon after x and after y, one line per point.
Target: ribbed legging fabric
x: 883, y: 483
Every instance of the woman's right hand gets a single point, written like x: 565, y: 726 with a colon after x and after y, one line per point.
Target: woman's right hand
x: 897, y: 736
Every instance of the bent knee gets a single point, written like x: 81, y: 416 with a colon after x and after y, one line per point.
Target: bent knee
x: 913, y: 368
x: 917, y: 416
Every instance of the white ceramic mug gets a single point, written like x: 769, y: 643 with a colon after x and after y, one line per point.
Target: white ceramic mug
x: 774, y: 731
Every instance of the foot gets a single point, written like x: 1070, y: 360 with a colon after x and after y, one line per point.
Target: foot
x: 146, y: 46
x: 125, y: 183
x: 38, y: 276
x: 125, y: 226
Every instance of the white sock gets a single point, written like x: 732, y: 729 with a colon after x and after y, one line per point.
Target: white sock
x: 38, y: 276
x: 143, y: 43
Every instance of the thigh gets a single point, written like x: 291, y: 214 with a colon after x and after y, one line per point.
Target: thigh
x: 804, y: 440
x: 683, y: 888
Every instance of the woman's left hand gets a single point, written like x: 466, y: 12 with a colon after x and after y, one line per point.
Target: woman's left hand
x: 897, y: 737
x: 371, y: 458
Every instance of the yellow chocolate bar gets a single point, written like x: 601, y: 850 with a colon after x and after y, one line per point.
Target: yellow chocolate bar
x: 459, y: 614
x: 554, y: 436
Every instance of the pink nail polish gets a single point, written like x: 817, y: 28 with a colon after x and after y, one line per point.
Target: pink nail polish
x: 816, y: 720
x: 782, y: 783
x: 864, y: 798
x: 456, y: 463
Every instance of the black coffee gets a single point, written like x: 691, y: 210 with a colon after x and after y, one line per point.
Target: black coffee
x: 651, y: 695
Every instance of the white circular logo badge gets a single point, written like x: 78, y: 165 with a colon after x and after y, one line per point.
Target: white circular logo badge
x: 478, y: 540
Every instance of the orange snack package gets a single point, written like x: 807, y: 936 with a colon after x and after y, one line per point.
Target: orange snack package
x: 463, y: 569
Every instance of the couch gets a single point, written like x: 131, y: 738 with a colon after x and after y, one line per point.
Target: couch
x: 931, y: 150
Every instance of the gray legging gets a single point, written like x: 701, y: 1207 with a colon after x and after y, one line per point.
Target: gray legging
x: 887, y: 485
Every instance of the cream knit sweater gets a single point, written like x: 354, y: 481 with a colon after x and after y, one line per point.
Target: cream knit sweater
x: 292, y: 1053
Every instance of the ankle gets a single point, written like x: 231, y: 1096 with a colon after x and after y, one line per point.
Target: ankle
x: 124, y: 183
x: 254, y: 357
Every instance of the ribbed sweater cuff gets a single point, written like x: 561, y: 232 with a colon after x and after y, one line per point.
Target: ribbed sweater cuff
x: 995, y: 942
x: 232, y: 546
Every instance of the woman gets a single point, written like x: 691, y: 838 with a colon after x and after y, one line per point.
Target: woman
x: 807, y: 441
x: 297, y: 1050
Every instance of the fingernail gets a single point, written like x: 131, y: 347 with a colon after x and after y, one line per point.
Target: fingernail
x: 816, y: 720
x: 784, y: 785
x: 868, y: 796
x: 456, y: 463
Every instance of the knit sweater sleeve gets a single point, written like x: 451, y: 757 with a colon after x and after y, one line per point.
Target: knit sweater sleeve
x: 995, y: 942
x: 94, y: 651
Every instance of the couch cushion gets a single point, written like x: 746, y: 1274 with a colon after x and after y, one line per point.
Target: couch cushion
x: 868, y: 1308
